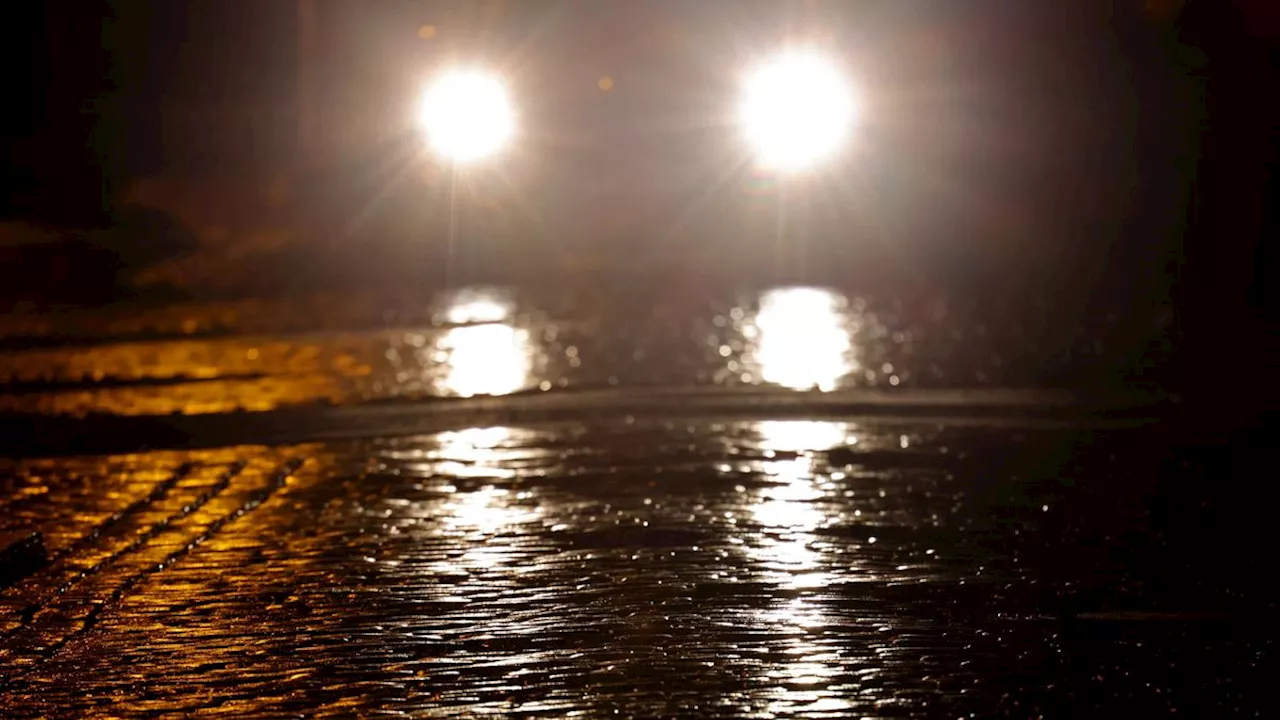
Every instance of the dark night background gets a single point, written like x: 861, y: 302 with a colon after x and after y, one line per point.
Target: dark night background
x: 1116, y: 155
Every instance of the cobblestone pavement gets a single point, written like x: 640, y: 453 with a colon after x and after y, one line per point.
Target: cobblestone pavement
x: 708, y: 566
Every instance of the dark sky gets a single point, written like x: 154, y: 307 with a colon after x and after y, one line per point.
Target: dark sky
x: 106, y: 90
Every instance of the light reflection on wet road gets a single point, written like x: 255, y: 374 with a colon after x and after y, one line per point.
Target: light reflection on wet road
x: 699, y: 559
x: 801, y: 338
x: 704, y: 567
x: 491, y: 342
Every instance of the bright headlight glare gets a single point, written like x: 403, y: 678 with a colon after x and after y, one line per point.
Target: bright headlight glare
x: 797, y: 110
x: 467, y: 115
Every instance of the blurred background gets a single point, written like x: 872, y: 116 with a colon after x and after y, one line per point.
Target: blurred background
x: 1108, y: 157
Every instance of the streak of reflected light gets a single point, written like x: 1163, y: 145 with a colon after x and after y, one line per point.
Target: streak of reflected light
x: 788, y: 509
x: 804, y: 338
x: 473, y: 444
x: 800, y: 435
x: 491, y: 359
x: 479, y: 306
x: 485, y: 511
x: 488, y: 510
x: 486, y: 354
x: 803, y: 679
x: 473, y: 452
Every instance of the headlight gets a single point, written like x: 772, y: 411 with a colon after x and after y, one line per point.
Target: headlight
x: 467, y: 115
x: 797, y: 110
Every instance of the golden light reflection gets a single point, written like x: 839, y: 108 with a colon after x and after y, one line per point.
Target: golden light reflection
x: 803, y: 338
x: 490, y: 359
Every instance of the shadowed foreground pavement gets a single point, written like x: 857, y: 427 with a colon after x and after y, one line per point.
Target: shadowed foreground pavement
x: 764, y: 568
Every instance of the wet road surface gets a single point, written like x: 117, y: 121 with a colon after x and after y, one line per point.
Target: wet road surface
x: 252, y: 355
x: 703, y: 567
x: 700, y: 558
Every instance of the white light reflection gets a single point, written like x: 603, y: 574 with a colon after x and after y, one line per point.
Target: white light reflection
x: 473, y: 452
x: 488, y: 510
x: 789, y: 512
x: 480, y: 513
x: 491, y: 359
x: 479, y: 306
x: 789, y: 509
x: 803, y: 680
x: 801, y: 435
x: 803, y: 338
